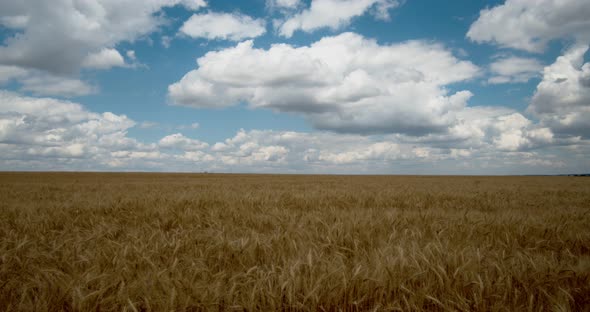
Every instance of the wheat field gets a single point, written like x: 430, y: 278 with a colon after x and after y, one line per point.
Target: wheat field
x: 213, y: 242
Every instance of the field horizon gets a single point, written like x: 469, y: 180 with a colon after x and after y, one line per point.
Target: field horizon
x: 581, y: 174
x: 72, y: 241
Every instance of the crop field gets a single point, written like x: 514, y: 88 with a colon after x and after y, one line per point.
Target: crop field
x: 213, y: 242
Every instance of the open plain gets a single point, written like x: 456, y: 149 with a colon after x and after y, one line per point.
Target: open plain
x: 213, y: 242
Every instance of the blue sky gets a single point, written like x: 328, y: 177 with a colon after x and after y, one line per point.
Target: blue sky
x: 294, y: 86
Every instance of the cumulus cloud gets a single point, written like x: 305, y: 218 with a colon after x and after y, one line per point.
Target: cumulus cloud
x: 290, y: 151
x: 50, y: 134
x: 345, y: 83
x: 380, y: 151
x: 293, y: 151
x: 488, y: 128
x: 509, y: 132
x: 334, y: 14
x: 225, y: 26
x: 513, y: 69
x: 562, y: 99
x: 104, y: 59
x: 53, y: 40
x: 45, y: 133
x: 179, y: 141
x: 530, y: 24
x: 58, y: 36
x: 43, y: 129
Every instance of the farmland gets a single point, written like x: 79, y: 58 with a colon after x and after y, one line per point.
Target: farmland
x: 214, y: 242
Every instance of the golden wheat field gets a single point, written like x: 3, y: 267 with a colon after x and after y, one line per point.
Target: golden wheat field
x: 209, y: 242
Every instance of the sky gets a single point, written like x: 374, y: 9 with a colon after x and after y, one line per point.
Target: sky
x: 296, y: 86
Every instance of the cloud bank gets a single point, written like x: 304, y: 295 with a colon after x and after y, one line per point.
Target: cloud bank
x: 345, y: 83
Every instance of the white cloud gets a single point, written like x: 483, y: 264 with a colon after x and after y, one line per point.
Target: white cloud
x: 513, y: 69
x: 373, y: 152
x: 57, y: 36
x: 283, y: 4
x: 42, y: 83
x: 491, y: 129
x: 510, y: 132
x: 191, y: 4
x: 382, y: 7
x: 179, y: 141
x: 44, y: 127
x: 289, y: 151
x: 49, y: 134
x: 562, y: 98
x: 530, y: 24
x: 104, y: 59
x: 55, y: 39
x: 334, y: 14
x: 344, y: 83
x: 131, y: 55
x: 284, y: 149
x: 45, y: 84
x: 224, y: 26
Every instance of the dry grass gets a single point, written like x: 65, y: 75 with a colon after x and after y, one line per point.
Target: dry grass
x: 161, y: 242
